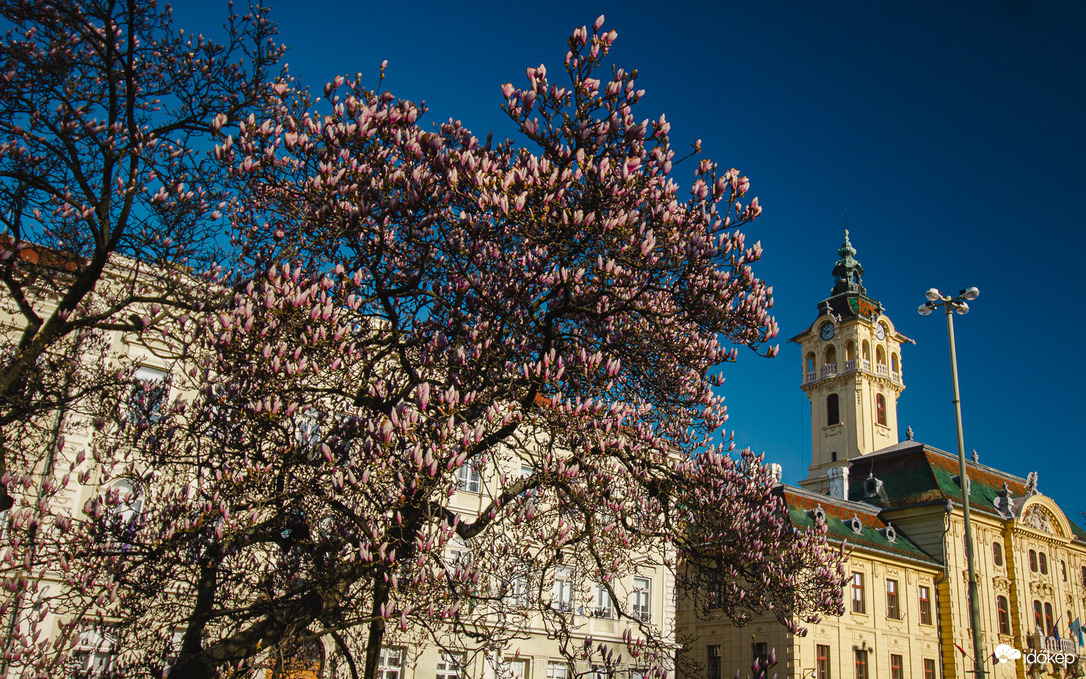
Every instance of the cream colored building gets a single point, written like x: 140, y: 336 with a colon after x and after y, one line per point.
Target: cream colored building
x: 566, y: 591
x: 906, y: 609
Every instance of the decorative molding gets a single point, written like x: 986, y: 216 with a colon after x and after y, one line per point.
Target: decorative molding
x: 1039, y: 518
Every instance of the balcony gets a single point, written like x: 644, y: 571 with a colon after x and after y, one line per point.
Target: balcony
x: 810, y: 377
x: 829, y: 370
x: 1051, y: 644
x: 880, y: 369
x: 850, y: 365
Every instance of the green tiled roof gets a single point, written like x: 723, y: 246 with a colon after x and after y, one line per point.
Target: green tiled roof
x: 913, y: 473
x: 872, y: 535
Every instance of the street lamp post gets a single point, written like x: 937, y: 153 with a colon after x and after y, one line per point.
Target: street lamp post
x: 960, y: 305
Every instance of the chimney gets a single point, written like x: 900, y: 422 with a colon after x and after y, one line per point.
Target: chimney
x: 838, y: 482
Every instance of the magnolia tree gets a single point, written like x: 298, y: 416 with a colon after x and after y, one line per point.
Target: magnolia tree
x: 106, y: 198
x: 417, y: 318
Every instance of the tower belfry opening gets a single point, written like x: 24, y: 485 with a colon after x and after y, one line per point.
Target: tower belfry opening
x: 851, y: 373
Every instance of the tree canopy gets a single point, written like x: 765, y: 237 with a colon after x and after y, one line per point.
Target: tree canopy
x: 412, y: 311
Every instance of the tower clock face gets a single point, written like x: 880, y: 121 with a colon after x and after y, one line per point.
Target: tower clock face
x: 826, y: 331
x: 880, y: 331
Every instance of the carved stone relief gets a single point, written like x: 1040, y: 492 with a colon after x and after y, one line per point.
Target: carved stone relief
x: 1039, y: 518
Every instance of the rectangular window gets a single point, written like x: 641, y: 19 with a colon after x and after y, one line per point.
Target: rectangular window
x: 456, y: 553
x: 925, y: 605
x: 467, y: 478
x: 929, y: 668
x: 557, y: 670
x: 450, y: 666
x: 858, y: 593
x: 515, y: 669
x: 94, y: 650
x: 1038, y: 616
x: 601, y: 605
x: 390, y: 663
x: 897, y: 667
x: 712, y: 662
x: 759, y: 653
x: 1063, y: 570
x: 518, y: 591
x: 861, y: 663
x: 641, y: 599
x: 562, y: 595
x: 893, y: 605
x: 1004, y: 612
x: 714, y: 597
x: 148, y: 395
x: 1048, y: 619
x: 823, y: 659
x: 997, y: 554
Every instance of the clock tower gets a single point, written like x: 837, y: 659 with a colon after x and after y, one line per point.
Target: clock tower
x: 851, y: 358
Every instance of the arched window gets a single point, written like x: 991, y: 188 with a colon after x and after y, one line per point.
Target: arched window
x: 880, y: 355
x: 833, y: 456
x: 810, y: 365
x: 1042, y: 558
x: 880, y: 409
x: 1038, y: 616
x: 829, y: 366
x: 866, y: 351
x: 1033, y: 560
x: 1049, y: 627
x: 997, y: 554
x: 833, y: 411
x: 850, y: 351
x: 894, y: 365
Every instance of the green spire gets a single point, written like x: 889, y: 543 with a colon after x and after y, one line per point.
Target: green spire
x: 847, y: 272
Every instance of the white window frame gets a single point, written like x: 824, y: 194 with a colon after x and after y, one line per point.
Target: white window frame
x: 390, y: 663
x: 467, y: 478
x: 641, y: 599
x: 125, y: 514
x: 307, y: 428
x: 457, y: 552
x: 519, y: 591
x: 147, y: 379
x: 557, y: 670
x: 449, y: 665
x: 93, y: 653
x: 514, y: 668
x: 562, y: 592
x: 602, y: 604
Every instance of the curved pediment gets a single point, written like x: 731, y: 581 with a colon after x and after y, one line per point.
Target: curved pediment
x: 1042, y: 515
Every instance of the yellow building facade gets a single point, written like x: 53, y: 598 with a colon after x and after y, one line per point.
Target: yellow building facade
x: 906, y: 605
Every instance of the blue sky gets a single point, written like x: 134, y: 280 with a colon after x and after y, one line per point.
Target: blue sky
x: 952, y: 133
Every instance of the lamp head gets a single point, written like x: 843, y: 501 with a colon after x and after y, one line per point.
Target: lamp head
x: 933, y: 295
x: 925, y: 309
x: 960, y: 307
x: 970, y: 294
